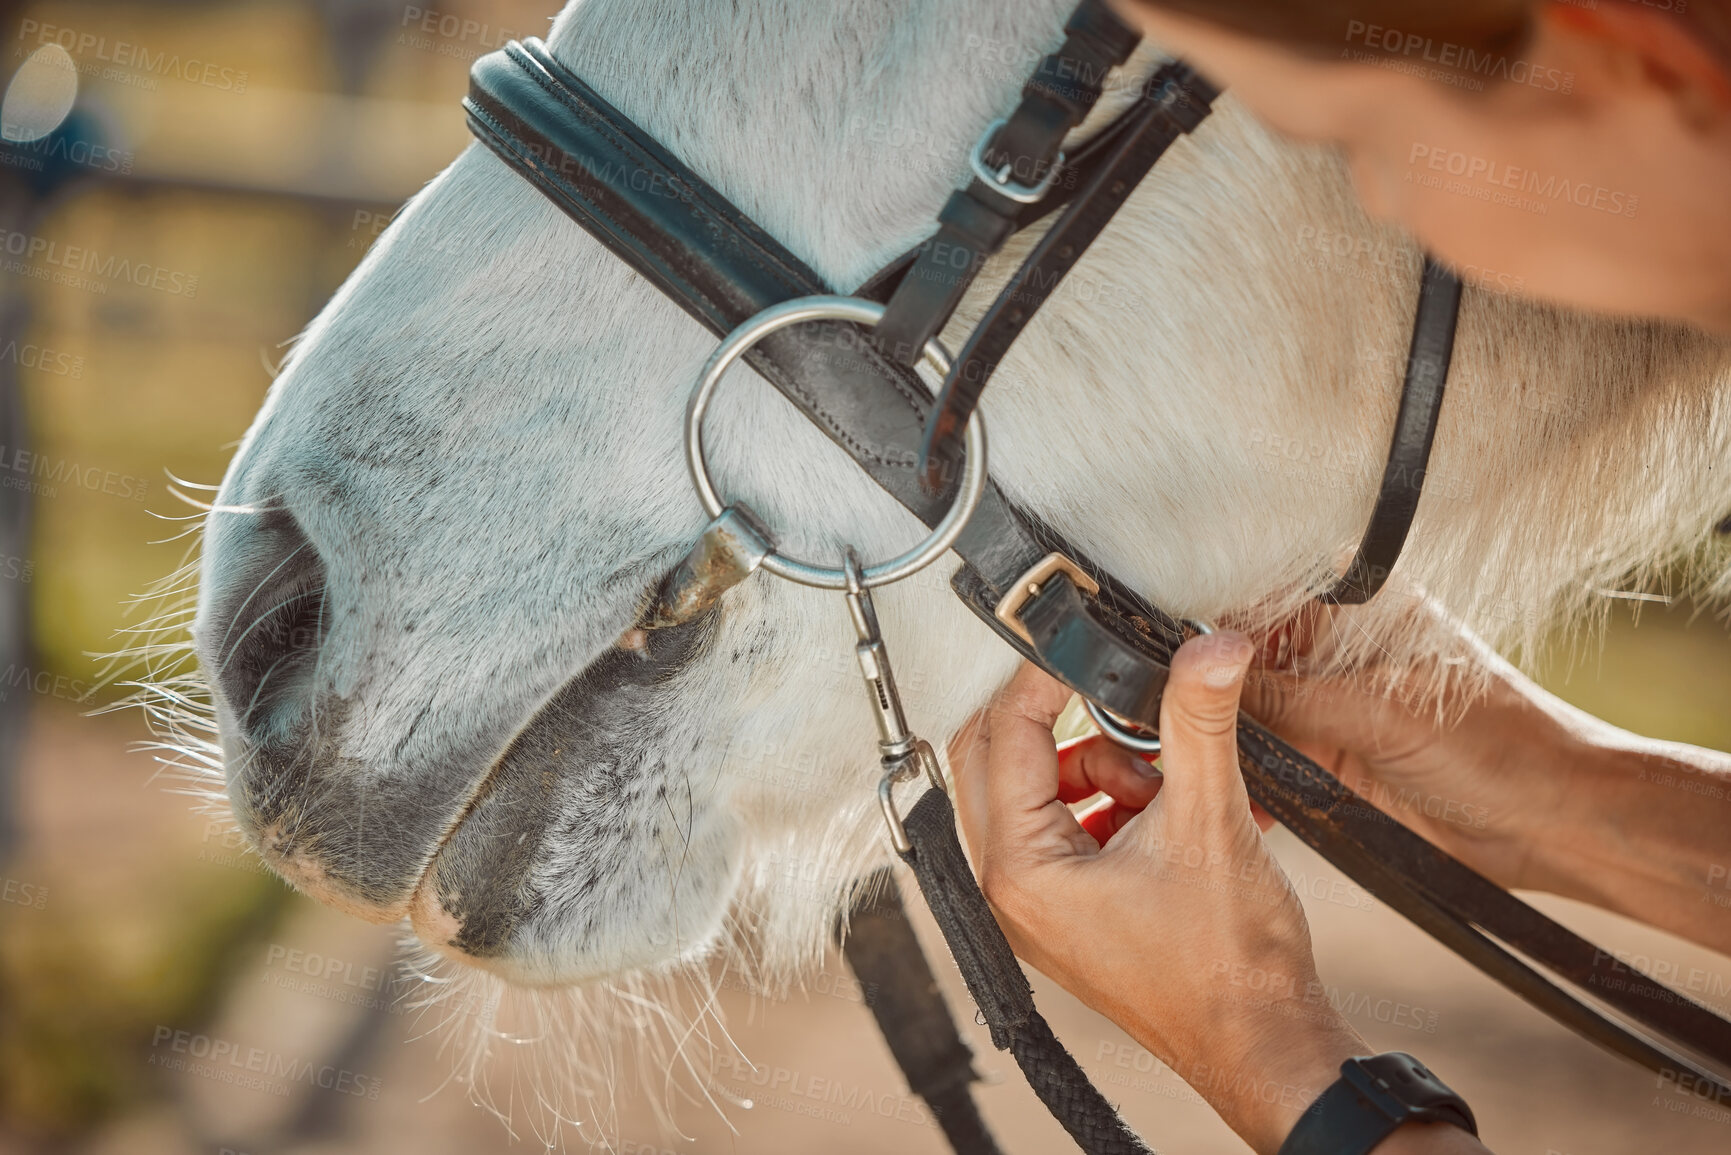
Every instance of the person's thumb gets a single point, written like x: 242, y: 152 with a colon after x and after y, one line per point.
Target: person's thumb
x: 1199, y: 723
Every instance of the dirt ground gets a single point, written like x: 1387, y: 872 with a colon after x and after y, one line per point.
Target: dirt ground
x: 114, y: 850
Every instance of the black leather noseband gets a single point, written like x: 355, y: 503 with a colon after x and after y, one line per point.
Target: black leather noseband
x: 1082, y: 626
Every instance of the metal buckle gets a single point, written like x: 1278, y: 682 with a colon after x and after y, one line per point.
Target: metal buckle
x: 1028, y: 586
x: 999, y: 178
x: 1122, y: 731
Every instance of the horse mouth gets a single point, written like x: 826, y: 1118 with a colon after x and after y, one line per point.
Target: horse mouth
x: 479, y: 851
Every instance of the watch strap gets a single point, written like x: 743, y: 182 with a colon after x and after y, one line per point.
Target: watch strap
x: 1373, y: 1097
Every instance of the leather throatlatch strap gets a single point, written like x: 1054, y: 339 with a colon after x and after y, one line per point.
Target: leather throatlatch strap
x: 1112, y: 646
x: 1421, y: 397
x: 903, y: 996
x: 999, y: 987
x: 977, y: 220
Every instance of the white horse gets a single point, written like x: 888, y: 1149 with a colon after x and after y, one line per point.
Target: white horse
x: 420, y: 577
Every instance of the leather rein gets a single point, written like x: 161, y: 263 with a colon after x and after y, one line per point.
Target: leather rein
x: 1036, y: 591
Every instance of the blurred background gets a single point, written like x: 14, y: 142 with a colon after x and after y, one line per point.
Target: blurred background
x: 182, y: 186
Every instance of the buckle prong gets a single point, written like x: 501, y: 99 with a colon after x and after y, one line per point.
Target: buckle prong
x: 999, y: 178
x: 1028, y: 586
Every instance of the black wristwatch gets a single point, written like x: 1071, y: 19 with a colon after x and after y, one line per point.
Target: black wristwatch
x: 1372, y: 1097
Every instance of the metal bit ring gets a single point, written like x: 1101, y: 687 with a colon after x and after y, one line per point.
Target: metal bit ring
x: 861, y: 312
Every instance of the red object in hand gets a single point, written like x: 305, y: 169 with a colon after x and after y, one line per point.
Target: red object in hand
x: 1099, y: 821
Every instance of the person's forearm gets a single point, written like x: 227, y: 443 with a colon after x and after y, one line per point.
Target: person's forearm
x: 1645, y: 830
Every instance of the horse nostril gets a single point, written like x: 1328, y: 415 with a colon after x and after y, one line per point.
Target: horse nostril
x: 266, y: 622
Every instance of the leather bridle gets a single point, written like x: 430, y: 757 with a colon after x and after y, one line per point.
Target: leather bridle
x: 1043, y: 597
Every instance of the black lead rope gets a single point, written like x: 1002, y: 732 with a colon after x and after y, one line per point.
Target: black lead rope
x: 899, y: 988
x: 999, y: 987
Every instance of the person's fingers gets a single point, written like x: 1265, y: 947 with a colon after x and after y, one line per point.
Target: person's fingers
x: 967, y: 754
x: 1006, y: 768
x: 1097, y: 765
x: 1105, y: 818
x: 1023, y: 760
x: 1274, y: 698
x: 1317, y: 713
x: 1199, y: 728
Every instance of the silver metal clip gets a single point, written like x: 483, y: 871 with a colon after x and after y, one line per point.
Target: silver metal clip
x: 731, y: 549
x: 901, y: 753
x: 894, y: 741
x: 921, y: 757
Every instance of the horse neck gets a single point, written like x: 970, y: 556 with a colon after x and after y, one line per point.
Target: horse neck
x: 838, y: 127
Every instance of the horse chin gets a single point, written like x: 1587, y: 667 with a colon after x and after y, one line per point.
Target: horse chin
x: 591, y: 848
x: 307, y: 873
x: 438, y: 930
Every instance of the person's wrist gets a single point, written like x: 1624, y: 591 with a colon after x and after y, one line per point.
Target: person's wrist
x: 1260, y: 1064
x: 1291, y: 1068
x: 1617, y: 824
x: 1548, y: 758
x: 1589, y: 778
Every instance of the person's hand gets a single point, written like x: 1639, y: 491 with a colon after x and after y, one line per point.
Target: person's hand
x: 1182, y: 928
x: 1516, y: 783
x: 1484, y: 778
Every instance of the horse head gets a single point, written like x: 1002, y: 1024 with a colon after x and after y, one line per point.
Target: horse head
x: 422, y: 576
